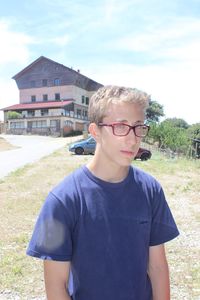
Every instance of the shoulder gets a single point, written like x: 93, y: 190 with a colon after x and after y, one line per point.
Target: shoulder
x: 148, y: 186
x: 63, y: 200
x: 68, y: 186
x: 66, y: 194
x: 145, y: 179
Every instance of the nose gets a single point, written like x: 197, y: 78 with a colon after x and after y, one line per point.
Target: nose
x: 132, y: 138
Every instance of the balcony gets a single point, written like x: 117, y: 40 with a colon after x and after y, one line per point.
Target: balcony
x: 69, y: 114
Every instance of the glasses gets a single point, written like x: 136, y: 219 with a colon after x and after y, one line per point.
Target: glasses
x: 121, y: 129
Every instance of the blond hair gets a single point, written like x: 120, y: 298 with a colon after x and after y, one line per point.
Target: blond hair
x: 114, y: 94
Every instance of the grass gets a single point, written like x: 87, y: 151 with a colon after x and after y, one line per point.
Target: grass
x: 5, y: 145
x: 23, y: 192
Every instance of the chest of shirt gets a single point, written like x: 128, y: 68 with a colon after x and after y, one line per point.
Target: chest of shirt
x: 113, y: 220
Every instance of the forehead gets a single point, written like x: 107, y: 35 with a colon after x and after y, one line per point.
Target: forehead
x: 126, y: 112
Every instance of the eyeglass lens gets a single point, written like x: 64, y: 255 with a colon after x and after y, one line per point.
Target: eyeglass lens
x: 123, y: 129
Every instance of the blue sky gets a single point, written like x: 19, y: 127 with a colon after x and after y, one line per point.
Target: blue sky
x: 152, y: 45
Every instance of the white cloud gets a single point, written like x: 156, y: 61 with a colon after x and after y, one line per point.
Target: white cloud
x: 172, y: 43
x: 60, y: 40
x: 188, y: 51
x: 114, y: 8
x: 14, y: 46
x: 9, y: 94
x: 175, y: 86
x: 177, y: 39
x: 14, y: 50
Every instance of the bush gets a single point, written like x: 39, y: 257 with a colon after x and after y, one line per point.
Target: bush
x: 72, y: 133
x: 13, y: 115
x: 169, y: 136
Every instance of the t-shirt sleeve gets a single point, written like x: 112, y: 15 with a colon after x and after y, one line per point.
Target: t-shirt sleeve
x: 163, y: 226
x: 52, y: 235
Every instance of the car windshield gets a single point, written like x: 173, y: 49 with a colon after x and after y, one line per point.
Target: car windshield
x: 91, y: 139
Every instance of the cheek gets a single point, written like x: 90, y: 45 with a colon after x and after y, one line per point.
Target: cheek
x: 109, y: 142
x: 113, y: 144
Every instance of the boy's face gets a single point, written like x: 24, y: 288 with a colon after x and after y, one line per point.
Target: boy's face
x: 120, y: 150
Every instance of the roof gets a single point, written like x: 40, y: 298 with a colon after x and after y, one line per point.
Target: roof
x: 38, y: 105
x: 78, y: 79
x: 33, y: 63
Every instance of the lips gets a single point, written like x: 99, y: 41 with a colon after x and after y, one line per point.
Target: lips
x: 127, y: 153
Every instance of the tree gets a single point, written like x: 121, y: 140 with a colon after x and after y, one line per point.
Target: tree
x: 177, y: 122
x: 13, y: 115
x: 169, y: 136
x: 154, y: 133
x: 194, y: 131
x: 154, y: 111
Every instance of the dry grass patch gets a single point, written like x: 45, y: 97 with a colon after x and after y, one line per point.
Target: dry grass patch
x: 180, y: 179
x: 22, y: 195
x: 5, y: 145
x: 23, y: 192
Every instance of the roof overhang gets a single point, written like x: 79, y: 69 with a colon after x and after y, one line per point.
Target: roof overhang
x: 38, y: 105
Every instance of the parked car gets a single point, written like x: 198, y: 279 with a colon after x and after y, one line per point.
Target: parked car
x: 84, y: 146
x: 143, y: 154
x: 88, y: 146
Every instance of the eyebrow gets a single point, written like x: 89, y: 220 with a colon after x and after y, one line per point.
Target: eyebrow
x: 125, y: 121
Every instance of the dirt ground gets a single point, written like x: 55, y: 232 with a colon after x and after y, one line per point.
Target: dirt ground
x: 23, y: 193
x: 5, y: 145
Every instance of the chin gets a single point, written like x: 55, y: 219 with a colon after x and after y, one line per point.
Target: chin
x: 126, y: 163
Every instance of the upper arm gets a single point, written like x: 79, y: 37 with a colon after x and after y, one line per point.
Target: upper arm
x: 157, y: 256
x: 56, y: 275
x: 159, y: 273
x: 157, y: 261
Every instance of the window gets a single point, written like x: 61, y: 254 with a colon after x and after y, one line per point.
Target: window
x: 16, y: 124
x: 32, y: 83
x: 42, y: 124
x: 86, y: 100
x: 92, y: 141
x: 85, y: 113
x: 83, y: 99
x: 45, y: 97
x: 39, y: 124
x: 53, y: 123
x: 44, y: 112
x: 56, y: 81
x: 66, y: 112
x: 31, y: 113
x: 33, y: 98
x: 78, y: 112
x: 44, y: 82
x: 57, y: 96
x: 68, y: 123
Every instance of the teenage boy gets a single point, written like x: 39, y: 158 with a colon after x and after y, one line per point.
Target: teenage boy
x: 104, y: 226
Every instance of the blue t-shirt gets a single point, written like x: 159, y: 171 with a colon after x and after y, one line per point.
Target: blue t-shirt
x: 105, y: 230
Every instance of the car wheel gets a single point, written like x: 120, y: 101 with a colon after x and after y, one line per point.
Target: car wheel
x: 79, y: 151
x: 144, y: 156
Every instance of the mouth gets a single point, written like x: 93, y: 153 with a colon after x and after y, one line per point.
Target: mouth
x: 128, y: 153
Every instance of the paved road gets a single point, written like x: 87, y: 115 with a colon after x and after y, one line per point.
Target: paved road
x: 32, y: 148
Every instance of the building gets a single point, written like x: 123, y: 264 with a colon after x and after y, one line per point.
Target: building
x: 53, y: 100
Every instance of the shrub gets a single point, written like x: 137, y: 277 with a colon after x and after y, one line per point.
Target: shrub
x: 72, y: 133
x: 13, y: 115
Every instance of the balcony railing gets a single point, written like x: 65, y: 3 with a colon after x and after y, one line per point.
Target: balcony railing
x: 71, y: 115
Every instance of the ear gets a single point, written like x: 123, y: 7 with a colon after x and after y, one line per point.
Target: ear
x: 94, y: 131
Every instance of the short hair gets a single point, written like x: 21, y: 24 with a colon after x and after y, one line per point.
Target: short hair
x: 114, y: 94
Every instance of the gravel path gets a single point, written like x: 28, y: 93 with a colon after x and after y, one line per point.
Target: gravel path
x: 31, y: 149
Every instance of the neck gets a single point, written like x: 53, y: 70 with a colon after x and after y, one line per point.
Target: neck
x: 107, y: 172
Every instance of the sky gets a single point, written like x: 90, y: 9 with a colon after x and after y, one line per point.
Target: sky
x: 151, y: 45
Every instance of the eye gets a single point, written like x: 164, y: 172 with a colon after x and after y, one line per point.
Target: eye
x: 141, y: 130
x: 120, y: 126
